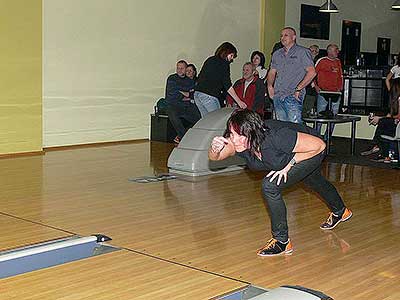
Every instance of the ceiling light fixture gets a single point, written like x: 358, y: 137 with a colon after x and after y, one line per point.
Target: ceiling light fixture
x: 396, y: 5
x: 330, y: 7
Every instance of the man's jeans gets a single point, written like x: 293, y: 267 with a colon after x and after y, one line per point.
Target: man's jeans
x: 206, y: 103
x: 308, y: 171
x: 322, y: 105
x: 288, y: 108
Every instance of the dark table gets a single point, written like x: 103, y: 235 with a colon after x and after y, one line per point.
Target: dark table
x: 336, y: 120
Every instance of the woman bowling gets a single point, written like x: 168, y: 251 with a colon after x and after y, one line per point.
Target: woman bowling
x: 290, y: 153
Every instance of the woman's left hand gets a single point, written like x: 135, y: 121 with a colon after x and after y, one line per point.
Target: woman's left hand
x: 280, y: 174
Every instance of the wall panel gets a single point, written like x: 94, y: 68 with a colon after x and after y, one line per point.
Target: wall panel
x: 106, y: 61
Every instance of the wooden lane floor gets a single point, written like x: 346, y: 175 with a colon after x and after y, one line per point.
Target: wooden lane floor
x: 217, y: 224
x: 17, y: 233
x: 118, y: 275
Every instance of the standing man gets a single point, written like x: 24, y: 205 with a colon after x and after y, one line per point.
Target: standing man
x: 180, y: 107
x: 250, y: 89
x: 292, y: 69
x: 329, y: 78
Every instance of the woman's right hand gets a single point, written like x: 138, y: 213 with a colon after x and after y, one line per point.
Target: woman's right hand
x: 375, y: 120
x: 242, y: 105
x: 218, y: 143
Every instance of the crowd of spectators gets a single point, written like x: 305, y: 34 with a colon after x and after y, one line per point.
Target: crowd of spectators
x: 295, y: 83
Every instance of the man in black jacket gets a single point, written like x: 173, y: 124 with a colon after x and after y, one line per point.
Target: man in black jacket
x: 179, y: 107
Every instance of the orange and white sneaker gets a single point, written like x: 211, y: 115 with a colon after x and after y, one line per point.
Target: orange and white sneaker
x: 333, y: 220
x: 275, y: 247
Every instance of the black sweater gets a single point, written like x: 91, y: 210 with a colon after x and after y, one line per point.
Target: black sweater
x: 214, y: 77
x: 280, y: 138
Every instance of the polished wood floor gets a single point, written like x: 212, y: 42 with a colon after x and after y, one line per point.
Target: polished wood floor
x: 192, y: 240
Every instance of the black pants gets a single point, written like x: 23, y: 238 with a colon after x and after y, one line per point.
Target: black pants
x: 308, y: 171
x: 386, y: 126
x: 183, y: 115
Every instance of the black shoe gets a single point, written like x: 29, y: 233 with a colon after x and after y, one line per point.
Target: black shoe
x: 375, y: 149
x: 275, y: 247
x: 333, y: 220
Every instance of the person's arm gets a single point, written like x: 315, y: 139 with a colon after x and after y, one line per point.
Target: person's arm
x: 172, y: 90
x: 169, y: 87
x: 220, y: 148
x: 315, y: 79
x: 232, y: 93
x: 306, y: 147
x: 308, y: 64
x: 227, y: 84
x: 185, y: 94
x: 229, y: 101
x: 375, y: 119
x: 315, y: 84
x: 270, y: 82
x: 388, y: 78
x: 317, y: 88
x: 310, y: 74
x: 340, y: 77
x: 229, y: 98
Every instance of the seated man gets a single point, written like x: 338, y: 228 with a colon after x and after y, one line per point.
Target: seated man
x: 179, y: 107
x: 250, y: 89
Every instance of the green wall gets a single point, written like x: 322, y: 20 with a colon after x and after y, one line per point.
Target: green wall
x: 20, y: 76
x: 274, y: 21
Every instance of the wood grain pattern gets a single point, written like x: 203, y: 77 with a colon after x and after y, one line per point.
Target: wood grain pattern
x: 19, y: 233
x: 118, y: 275
x: 217, y: 223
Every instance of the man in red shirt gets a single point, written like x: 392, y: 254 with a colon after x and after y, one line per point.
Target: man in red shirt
x: 329, y: 79
x: 250, y: 89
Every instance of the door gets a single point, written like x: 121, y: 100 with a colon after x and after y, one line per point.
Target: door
x: 351, y: 41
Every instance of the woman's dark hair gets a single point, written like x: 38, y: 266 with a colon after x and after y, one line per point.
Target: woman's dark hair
x: 225, y: 49
x: 398, y: 60
x: 394, y: 94
x: 262, y: 58
x: 194, y: 69
x: 249, y: 124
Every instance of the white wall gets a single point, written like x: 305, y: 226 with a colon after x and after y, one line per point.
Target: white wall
x: 105, y: 61
x: 376, y: 16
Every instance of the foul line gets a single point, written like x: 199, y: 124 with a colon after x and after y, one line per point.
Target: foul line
x: 132, y: 250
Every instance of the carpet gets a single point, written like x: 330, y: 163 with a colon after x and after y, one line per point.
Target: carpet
x: 340, y: 153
